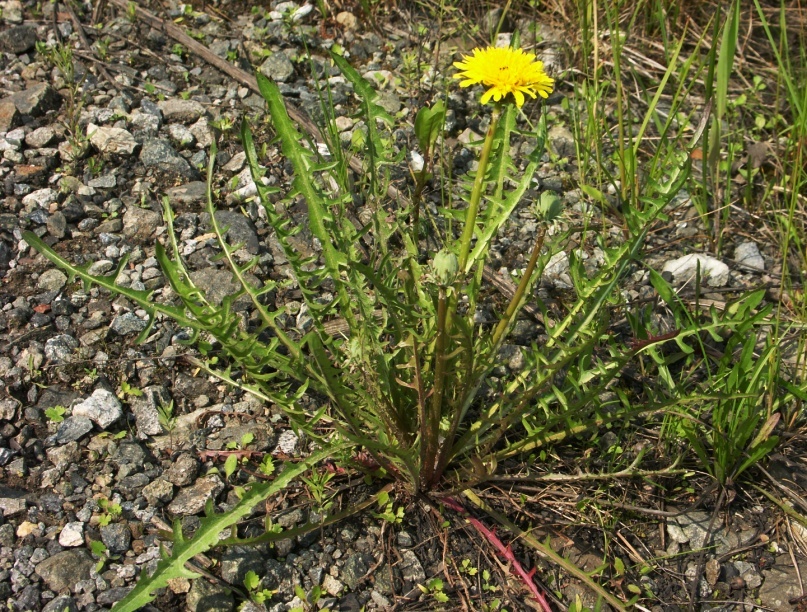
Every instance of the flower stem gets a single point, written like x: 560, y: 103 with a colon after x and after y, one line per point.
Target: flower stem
x: 478, y: 188
x: 512, y: 308
x: 430, y: 430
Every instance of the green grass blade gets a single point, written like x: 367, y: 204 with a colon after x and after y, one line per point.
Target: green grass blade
x: 208, y: 534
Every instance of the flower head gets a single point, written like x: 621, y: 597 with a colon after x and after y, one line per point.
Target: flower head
x: 505, y: 71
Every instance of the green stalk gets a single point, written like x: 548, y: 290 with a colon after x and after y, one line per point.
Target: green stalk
x: 430, y: 427
x: 512, y: 308
x: 476, y: 193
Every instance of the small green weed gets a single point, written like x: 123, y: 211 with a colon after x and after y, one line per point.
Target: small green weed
x: 259, y: 595
x: 111, y: 511
x: 128, y: 390
x: 434, y: 588
x: 55, y: 414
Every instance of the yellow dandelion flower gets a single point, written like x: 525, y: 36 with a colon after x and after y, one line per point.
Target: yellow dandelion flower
x: 505, y: 71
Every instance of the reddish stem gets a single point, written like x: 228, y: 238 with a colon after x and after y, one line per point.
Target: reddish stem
x: 504, y: 550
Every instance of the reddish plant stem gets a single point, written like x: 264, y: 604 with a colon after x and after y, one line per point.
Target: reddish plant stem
x: 504, y: 551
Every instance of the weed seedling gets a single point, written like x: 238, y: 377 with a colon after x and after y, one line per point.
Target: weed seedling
x: 127, y: 390
x: 434, y: 588
x: 259, y: 595
x: 111, y: 511
x: 55, y: 414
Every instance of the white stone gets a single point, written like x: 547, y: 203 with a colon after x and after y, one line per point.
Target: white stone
x: 747, y: 254
x: 102, y: 408
x: 111, y: 140
x: 416, y: 162
x: 41, y: 197
x: 332, y: 585
x: 713, y: 271
x: 557, y: 265
x: 72, y: 535
x: 347, y: 20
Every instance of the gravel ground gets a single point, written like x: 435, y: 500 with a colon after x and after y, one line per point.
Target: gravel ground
x: 84, y: 457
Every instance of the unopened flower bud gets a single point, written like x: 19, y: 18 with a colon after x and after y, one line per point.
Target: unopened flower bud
x: 445, y: 266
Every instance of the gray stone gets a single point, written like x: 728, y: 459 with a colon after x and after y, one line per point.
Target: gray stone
x: 158, y: 493
x: 107, y: 181
x: 561, y: 142
x: 40, y: 137
x: 782, y: 583
x: 65, y: 569
x: 382, y: 602
x: 354, y: 569
x: 57, y: 225
x: 8, y: 409
x: 288, y: 443
x: 236, y: 561
x: 405, y: 539
x: 132, y: 485
x: 60, y: 349
x: 190, y: 193
x: 36, y: 100
x: 280, y: 577
x: 240, y: 230
x: 557, y: 265
x: 110, y: 596
x: 689, y: 527
x: 72, y: 535
x: 7, y: 536
x: 747, y: 254
x: 116, y: 537
x: 51, y: 280
x: 684, y: 269
x: 73, y: 428
x: 63, y: 603
x: 192, y: 500
x: 63, y: 456
x: 236, y: 164
x: 203, y: 133
x: 19, y: 39
x: 100, y: 267
x: 5, y: 455
x: 183, y: 471
x: 208, y: 597
x: 277, y: 67
x: 41, y: 197
x: 290, y: 519
x: 12, y: 501
x: 491, y: 20
x: 218, y: 283
x: 411, y: 569
x: 128, y: 323
x: 111, y: 140
x: 102, y: 407
x: 181, y: 135
x: 140, y: 223
x: 28, y: 599
x: 145, y: 125
x: 162, y: 157
x: 9, y: 115
x: 130, y: 453
x: 177, y: 110
x: 389, y: 102
x: 145, y: 410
